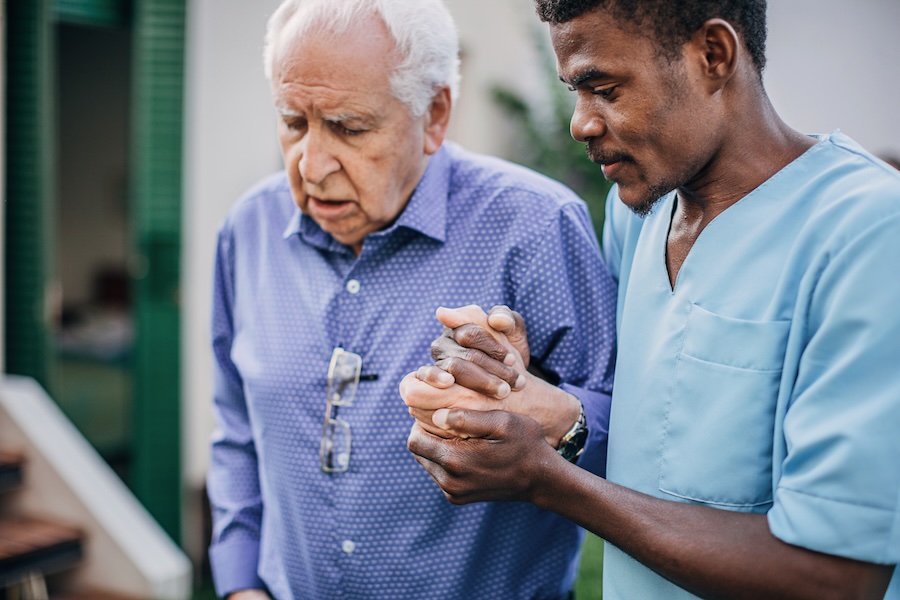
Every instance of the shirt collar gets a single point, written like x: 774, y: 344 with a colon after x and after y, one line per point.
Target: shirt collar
x: 425, y: 213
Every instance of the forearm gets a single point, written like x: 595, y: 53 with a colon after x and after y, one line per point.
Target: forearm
x: 712, y: 553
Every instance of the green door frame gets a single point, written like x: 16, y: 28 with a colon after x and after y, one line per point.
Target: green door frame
x: 158, y: 28
x: 156, y: 158
x: 28, y: 231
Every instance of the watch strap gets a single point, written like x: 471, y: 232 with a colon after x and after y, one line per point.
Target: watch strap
x: 572, y: 443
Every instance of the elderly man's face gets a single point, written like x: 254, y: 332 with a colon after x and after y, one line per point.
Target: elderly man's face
x: 352, y: 151
x: 650, y: 124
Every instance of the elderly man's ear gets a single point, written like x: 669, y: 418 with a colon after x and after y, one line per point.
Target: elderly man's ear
x: 436, y: 119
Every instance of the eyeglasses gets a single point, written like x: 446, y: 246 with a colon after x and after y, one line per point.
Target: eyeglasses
x: 343, y: 380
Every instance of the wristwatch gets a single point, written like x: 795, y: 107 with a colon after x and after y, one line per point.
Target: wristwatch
x: 572, y: 444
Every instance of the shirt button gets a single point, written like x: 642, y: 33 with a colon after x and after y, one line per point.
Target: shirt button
x: 353, y: 286
x: 348, y: 546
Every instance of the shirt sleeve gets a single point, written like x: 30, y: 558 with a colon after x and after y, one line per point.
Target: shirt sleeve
x: 233, y: 478
x: 839, y: 488
x: 568, y: 300
x: 596, y: 412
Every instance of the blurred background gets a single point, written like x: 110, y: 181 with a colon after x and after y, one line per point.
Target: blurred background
x: 130, y: 128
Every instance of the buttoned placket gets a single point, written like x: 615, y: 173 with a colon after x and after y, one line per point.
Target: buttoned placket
x: 345, y: 314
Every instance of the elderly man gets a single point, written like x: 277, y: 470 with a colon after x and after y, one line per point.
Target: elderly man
x: 753, y: 438
x: 327, y: 279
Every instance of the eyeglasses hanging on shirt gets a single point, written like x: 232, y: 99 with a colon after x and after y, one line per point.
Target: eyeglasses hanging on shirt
x: 343, y: 380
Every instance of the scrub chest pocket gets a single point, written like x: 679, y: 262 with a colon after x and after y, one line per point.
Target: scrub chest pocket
x: 720, y: 418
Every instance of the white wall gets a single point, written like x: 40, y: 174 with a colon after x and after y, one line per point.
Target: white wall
x: 497, y: 46
x: 229, y: 144
x: 836, y: 64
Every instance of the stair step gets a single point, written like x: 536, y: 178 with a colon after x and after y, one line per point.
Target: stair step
x: 10, y: 470
x: 28, y: 545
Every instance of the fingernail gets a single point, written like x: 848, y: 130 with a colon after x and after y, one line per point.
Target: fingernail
x: 445, y: 378
x: 509, y: 359
x: 520, y: 381
x: 503, y: 390
x: 439, y: 418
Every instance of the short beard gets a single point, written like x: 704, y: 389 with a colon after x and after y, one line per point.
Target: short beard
x: 645, y: 207
x: 654, y: 194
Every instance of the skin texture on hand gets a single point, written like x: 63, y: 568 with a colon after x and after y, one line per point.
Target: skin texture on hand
x: 481, y: 350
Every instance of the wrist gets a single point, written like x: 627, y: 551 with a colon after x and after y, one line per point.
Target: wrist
x: 566, y: 411
x: 553, y: 408
x: 571, y: 446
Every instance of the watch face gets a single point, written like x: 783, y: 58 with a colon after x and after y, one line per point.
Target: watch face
x: 573, y: 447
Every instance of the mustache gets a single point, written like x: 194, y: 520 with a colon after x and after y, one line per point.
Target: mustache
x: 604, y: 157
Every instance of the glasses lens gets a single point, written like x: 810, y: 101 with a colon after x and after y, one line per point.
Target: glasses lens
x: 335, y: 449
x: 343, y: 377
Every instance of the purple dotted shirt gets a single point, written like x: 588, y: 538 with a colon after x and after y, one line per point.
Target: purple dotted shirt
x: 477, y: 230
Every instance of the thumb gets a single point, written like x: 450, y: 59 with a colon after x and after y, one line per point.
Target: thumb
x: 470, y: 423
x: 457, y: 317
x: 511, y: 323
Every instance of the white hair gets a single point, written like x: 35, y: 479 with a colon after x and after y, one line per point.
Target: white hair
x: 422, y: 30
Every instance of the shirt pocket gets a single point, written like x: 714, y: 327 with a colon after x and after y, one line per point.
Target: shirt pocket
x: 719, y: 425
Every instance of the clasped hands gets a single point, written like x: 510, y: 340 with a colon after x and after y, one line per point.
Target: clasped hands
x: 486, y: 428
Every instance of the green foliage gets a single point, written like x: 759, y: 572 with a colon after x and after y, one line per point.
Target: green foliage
x: 545, y: 143
x: 589, y: 585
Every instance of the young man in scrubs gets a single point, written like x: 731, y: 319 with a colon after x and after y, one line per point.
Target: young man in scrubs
x: 755, y: 426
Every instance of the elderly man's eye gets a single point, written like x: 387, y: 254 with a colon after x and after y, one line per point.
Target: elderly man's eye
x: 348, y: 131
x: 295, y: 124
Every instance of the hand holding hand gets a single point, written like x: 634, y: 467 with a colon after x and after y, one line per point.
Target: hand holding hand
x: 487, y: 353
x: 490, y: 456
x: 477, y: 361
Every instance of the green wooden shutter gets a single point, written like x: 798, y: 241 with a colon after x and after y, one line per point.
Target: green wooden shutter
x: 156, y: 209
x: 29, y: 187
x: 101, y: 13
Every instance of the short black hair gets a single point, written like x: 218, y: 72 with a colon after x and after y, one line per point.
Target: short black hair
x: 673, y: 22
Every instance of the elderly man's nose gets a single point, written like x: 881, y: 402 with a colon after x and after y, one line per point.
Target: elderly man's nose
x: 316, y: 161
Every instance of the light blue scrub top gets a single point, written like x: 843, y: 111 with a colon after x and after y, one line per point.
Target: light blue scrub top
x: 767, y: 381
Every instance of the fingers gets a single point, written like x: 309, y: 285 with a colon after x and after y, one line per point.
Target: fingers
x: 472, y: 423
x: 503, y: 319
x: 483, y: 372
x: 472, y: 375
x: 476, y: 337
x: 423, y: 396
x: 455, y: 317
x: 424, y: 417
x: 435, y: 377
x: 501, y: 460
x: 510, y: 323
x: 442, y: 479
